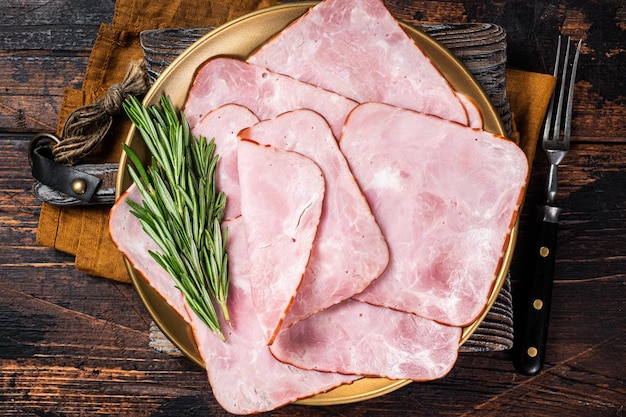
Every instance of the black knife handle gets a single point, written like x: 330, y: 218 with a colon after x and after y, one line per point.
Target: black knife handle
x: 531, y: 344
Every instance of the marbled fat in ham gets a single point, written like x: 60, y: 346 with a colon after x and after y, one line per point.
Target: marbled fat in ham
x: 356, y: 48
x: 446, y: 197
x: 223, y: 124
x: 282, y: 194
x: 349, y: 250
x: 267, y: 94
x: 358, y: 338
x: 244, y: 376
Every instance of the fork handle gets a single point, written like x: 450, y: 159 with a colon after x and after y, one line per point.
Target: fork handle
x: 531, y: 344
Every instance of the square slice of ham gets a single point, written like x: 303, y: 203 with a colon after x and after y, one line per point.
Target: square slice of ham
x: 353, y: 337
x: 356, y: 48
x: 446, y: 197
x: 282, y: 194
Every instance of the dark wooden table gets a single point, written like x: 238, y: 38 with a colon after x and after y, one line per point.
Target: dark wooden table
x: 72, y: 344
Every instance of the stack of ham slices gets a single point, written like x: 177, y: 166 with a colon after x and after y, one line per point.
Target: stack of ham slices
x: 368, y: 212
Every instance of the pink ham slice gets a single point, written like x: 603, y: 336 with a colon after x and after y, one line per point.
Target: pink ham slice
x: 355, y: 337
x: 349, y: 250
x: 231, y: 81
x: 244, y: 376
x: 446, y: 197
x: 282, y: 194
x: 356, y: 48
x: 127, y: 234
x: 223, y: 124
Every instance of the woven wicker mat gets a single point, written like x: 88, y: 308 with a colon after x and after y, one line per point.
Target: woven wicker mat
x: 482, y: 48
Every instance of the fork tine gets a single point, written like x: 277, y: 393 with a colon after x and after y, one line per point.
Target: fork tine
x: 548, y: 121
x: 559, y: 107
x: 570, y: 95
x: 552, y: 129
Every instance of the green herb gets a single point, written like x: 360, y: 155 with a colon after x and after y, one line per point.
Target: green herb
x: 181, y: 210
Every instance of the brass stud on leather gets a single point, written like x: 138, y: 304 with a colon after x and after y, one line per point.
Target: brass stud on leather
x: 79, y: 186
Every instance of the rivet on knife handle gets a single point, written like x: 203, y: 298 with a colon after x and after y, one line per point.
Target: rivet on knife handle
x: 531, y: 343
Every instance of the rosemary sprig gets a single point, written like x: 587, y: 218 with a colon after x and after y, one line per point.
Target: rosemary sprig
x: 181, y: 209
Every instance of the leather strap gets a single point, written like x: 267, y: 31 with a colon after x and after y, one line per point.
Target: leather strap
x: 63, y: 185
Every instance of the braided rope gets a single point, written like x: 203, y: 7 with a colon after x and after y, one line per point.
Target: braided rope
x: 87, y: 126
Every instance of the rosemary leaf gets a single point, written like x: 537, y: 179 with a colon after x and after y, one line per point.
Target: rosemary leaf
x: 180, y: 208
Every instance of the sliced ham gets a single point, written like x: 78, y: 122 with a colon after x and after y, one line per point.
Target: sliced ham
x: 282, y: 194
x: 355, y: 337
x: 356, y: 48
x: 223, y: 124
x: 244, y: 376
x: 127, y: 234
x: 446, y: 197
x: 349, y: 250
x: 267, y: 94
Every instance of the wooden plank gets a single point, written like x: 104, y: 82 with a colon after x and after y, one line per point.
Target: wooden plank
x: 429, y: 11
x: 583, y: 317
x: 34, y: 12
x: 44, y: 330
x: 64, y: 36
x: 79, y: 386
x: 62, y: 361
x: 32, y: 89
x: 64, y: 286
x: 583, y: 387
x: 16, y: 178
x: 24, y: 16
x: 19, y: 210
x: 44, y: 46
x: 590, y: 260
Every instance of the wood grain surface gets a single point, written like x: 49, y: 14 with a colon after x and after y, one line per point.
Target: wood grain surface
x: 77, y: 345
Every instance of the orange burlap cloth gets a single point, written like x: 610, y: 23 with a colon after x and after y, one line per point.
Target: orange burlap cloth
x: 83, y: 231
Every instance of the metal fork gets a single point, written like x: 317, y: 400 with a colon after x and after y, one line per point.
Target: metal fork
x: 530, y: 344
x: 554, y: 147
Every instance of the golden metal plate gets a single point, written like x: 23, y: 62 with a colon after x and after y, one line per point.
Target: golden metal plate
x: 239, y: 38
